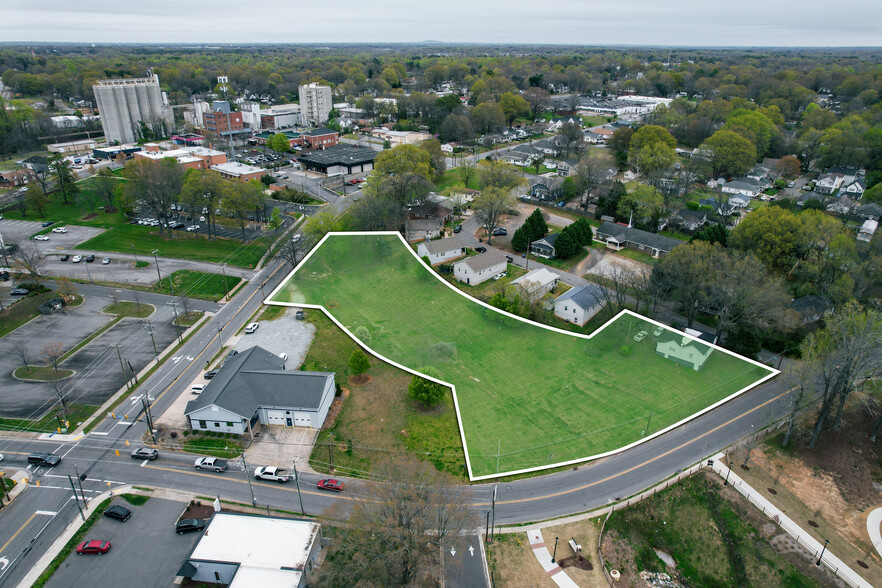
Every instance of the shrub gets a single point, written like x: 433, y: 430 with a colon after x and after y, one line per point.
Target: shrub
x: 427, y: 392
x: 626, y: 350
x: 359, y: 362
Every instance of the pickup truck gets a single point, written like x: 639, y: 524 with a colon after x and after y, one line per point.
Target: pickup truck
x: 272, y: 473
x: 211, y: 463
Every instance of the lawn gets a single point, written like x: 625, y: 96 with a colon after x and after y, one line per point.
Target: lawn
x: 43, y: 373
x: 76, y: 414
x: 217, y: 445
x: 198, y: 284
x: 143, y: 240
x: 453, y: 177
x: 17, y: 314
x: 132, y: 309
x: 528, y: 396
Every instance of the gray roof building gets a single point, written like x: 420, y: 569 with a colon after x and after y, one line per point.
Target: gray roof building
x: 621, y: 236
x: 485, y: 260
x: 585, y: 296
x: 443, y: 245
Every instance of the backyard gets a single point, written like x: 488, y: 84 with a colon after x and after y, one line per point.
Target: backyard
x: 528, y: 396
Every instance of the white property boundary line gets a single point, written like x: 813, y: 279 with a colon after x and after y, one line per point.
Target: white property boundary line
x: 473, y: 478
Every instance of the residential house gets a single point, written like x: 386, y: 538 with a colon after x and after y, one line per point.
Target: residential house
x: 536, y: 283
x: 518, y: 158
x: 689, y: 220
x: 739, y: 201
x: 255, y: 386
x: 441, y: 250
x: 544, y: 247
x: 867, y: 230
x: 547, y: 147
x: 480, y: 268
x: 18, y: 177
x: 563, y: 168
x: 557, y: 122
x: 829, y: 183
x: 686, y: 352
x: 870, y: 211
x: 240, y: 550
x: 37, y: 163
x: 618, y: 236
x: 802, y: 199
x: 424, y: 229
x: 467, y: 194
x: 548, y: 190
x: 749, y: 187
x: 446, y: 148
x: 578, y: 305
x: 842, y: 206
x: 630, y: 175
x: 430, y: 209
x: 810, y: 309
x: 595, y: 138
x: 854, y: 189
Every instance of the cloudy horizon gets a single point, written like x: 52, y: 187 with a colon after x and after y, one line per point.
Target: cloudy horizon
x: 677, y: 23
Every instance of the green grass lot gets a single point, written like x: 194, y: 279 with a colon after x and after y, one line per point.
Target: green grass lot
x: 217, y: 445
x: 73, y: 213
x: 714, y: 535
x: 143, y: 240
x: 15, y: 315
x: 45, y: 373
x: 453, y: 177
x: 76, y: 414
x: 637, y: 256
x: 528, y: 396
x: 132, y: 309
x: 198, y: 284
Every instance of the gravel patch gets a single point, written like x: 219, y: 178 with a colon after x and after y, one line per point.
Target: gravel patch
x: 282, y: 335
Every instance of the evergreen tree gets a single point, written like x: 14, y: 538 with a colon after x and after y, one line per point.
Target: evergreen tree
x: 711, y: 234
x: 566, y: 244
x: 520, y: 241
x: 359, y: 362
x: 583, y: 230
x: 537, y: 224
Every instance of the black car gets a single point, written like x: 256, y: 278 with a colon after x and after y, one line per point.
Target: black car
x: 499, y: 231
x: 210, y: 375
x: 189, y: 525
x: 64, y: 257
x: 145, y: 453
x: 481, y: 249
x: 230, y: 355
x: 90, y: 259
x: 457, y: 228
x: 118, y: 512
x: 42, y: 458
x: 4, y: 276
x: 48, y: 223
x: 20, y: 292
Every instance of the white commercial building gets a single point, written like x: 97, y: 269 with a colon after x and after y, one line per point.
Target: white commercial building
x: 125, y: 104
x: 243, y: 551
x: 315, y: 104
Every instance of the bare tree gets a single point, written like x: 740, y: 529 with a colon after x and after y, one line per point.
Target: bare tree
x: 491, y: 205
x: 22, y: 352
x: 52, y: 352
x: 61, y: 393
x: 156, y: 184
x: 592, y: 173
x: 292, y: 252
x: 571, y: 138
x: 467, y: 170
x: 395, y: 529
x: 20, y: 201
x: 538, y: 99
x: 28, y: 257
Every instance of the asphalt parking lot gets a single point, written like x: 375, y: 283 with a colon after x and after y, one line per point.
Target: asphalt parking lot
x: 145, y: 550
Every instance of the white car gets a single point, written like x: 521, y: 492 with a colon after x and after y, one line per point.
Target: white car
x: 197, y: 388
x: 105, y: 261
x: 59, y: 230
x: 283, y: 356
x: 77, y: 259
x: 201, y: 219
x: 192, y: 228
x: 251, y: 328
x: 41, y: 238
x: 272, y: 473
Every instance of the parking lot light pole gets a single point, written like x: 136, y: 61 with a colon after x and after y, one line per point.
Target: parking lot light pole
x: 826, y: 542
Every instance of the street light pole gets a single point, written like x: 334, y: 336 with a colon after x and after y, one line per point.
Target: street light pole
x: 826, y: 541
x: 297, y: 482
x: 250, y: 487
x: 156, y: 260
x: 554, y: 555
x: 731, y: 463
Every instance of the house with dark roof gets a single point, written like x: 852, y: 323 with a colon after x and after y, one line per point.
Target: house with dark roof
x: 547, y: 189
x: 578, y: 305
x: 870, y: 211
x: 689, y: 220
x: 810, y: 309
x: 320, y: 138
x: 441, y: 250
x: 480, y: 268
x: 255, y: 386
x: 422, y: 229
x: 618, y: 236
x: 544, y: 247
x: 547, y: 146
x: 430, y: 210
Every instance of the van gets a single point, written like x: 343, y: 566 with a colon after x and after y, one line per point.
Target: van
x: 197, y: 388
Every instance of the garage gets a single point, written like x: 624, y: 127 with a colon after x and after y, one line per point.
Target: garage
x: 276, y: 417
x: 302, y: 419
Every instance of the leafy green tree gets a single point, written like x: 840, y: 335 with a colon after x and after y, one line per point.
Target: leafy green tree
x: 426, y: 392
x: 359, y: 363
x: 438, y: 159
x: 498, y: 174
x: 321, y: 224
x: 712, y: 234
x: 513, y: 106
x: 401, y: 174
x: 520, y: 241
x: 730, y: 153
x: 583, y: 230
x: 619, y: 143
x: 242, y: 201
x: 488, y: 117
x: 36, y: 199
x: 279, y: 143
x: 873, y: 194
x: 608, y: 203
x: 651, y: 149
x: 537, y: 225
x: 759, y: 125
x: 643, y: 202
x: 65, y: 180
x: 771, y: 233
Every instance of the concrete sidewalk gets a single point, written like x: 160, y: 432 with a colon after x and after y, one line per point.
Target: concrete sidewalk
x: 554, y: 571
x: 802, y: 536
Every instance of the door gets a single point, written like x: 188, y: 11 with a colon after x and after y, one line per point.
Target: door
x: 288, y: 422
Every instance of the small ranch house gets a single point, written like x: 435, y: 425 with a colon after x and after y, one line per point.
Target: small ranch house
x: 544, y: 247
x: 419, y: 230
x: 686, y: 352
x: 441, y: 250
x: 477, y: 269
x: 254, y: 386
x: 579, y: 304
x: 617, y: 236
x: 535, y: 284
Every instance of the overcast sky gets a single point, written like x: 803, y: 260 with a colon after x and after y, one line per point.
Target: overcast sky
x: 578, y: 22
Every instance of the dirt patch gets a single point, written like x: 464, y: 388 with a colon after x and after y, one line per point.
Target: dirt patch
x: 512, y: 563
x: 583, y: 568
x: 360, y: 380
x: 331, y: 304
x: 336, y: 407
x: 89, y: 216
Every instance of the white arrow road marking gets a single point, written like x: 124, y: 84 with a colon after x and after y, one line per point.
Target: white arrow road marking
x: 4, y: 562
x: 177, y: 358
x: 471, y: 551
x: 48, y: 513
x: 189, y: 358
x: 452, y: 551
x: 137, y: 398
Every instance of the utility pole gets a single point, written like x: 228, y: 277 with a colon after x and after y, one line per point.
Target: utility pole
x: 76, y: 498
x: 250, y: 487
x: 80, y: 482
x: 149, y: 418
x: 224, y: 272
x: 122, y: 366
x: 156, y: 260
x: 297, y: 482
x: 152, y: 339
x: 493, y: 514
x: 132, y: 369
x: 174, y: 306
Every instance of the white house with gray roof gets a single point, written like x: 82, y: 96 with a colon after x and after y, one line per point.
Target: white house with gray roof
x: 536, y: 283
x: 686, y: 352
x: 617, y: 236
x: 255, y: 386
x: 441, y: 250
x: 578, y: 305
x: 477, y: 269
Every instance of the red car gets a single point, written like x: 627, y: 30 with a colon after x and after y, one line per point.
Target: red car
x: 94, y: 546
x: 353, y: 182
x: 335, y: 485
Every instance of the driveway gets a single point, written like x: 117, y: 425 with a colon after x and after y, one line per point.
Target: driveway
x: 145, y: 550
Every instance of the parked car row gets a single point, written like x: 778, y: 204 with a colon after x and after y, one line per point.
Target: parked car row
x: 269, y: 473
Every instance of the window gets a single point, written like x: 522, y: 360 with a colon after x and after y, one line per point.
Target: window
x: 229, y: 424
x: 202, y: 425
x: 217, y: 425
